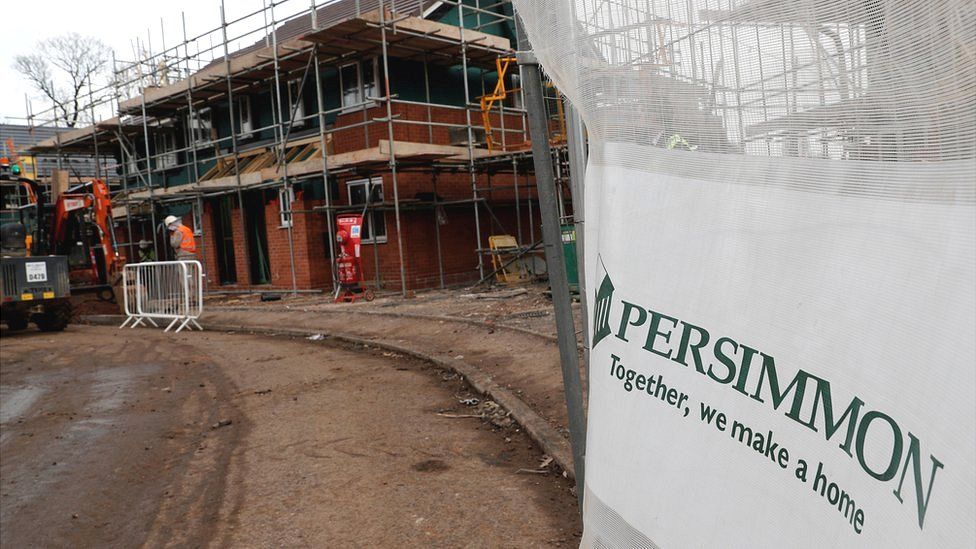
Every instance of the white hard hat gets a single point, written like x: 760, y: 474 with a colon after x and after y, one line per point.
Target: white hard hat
x: 170, y: 219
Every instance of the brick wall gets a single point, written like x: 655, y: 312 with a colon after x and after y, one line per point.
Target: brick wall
x: 357, y: 136
x: 312, y: 270
x: 458, y: 236
x: 209, y: 253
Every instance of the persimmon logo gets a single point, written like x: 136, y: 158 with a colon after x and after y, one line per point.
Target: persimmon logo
x: 885, y: 449
x: 601, y: 310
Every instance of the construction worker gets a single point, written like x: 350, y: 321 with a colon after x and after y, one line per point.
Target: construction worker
x: 185, y: 246
x: 680, y: 143
x: 146, y: 252
x: 181, y: 238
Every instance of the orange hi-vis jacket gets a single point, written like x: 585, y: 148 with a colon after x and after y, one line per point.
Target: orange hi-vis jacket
x: 188, y: 244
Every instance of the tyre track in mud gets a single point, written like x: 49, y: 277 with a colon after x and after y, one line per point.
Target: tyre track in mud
x: 302, y: 462
x: 96, y: 455
x: 522, y: 363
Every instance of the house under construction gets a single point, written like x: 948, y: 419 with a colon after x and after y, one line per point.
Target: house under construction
x: 408, y: 112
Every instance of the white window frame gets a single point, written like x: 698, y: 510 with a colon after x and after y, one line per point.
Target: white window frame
x: 298, y: 120
x: 286, y: 200
x: 166, y: 157
x: 201, y: 127
x: 245, y: 122
x: 132, y: 165
x: 361, y: 90
x: 370, y: 182
x: 375, y: 87
x: 347, y: 104
x: 515, y: 83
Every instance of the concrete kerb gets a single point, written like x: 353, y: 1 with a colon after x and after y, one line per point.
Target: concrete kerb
x: 541, y: 432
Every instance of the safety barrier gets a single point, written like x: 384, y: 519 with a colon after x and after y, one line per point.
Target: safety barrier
x: 165, y: 290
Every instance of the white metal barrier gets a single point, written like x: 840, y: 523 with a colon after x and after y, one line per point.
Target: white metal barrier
x: 166, y: 290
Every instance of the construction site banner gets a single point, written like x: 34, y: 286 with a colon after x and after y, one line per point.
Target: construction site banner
x: 781, y: 267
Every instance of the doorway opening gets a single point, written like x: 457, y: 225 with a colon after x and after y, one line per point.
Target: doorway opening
x: 257, y: 237
x: 224, y: 240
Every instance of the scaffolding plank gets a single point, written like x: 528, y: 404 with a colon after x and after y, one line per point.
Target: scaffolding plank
x: 261, y: 169
x: 221, y: 183
x: 796, y: 11
x: 407, y: 37
x: 77, y: 137
x: 443, y: 30
x: 405, y: 149
x: 214, y: 75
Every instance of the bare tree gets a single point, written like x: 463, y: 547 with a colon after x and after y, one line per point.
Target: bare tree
x: 64, y: 69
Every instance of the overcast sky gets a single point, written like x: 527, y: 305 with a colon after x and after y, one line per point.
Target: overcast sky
x: 115, y: 22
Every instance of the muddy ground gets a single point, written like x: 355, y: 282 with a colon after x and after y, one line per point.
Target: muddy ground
x: 135, y: 437
x: 525, y: 305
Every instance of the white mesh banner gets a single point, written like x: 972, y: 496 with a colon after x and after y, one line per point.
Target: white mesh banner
x: 781, y: 266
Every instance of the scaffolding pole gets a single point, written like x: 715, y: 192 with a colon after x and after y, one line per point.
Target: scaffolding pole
x: 191, y: 140
x: 518, y: 210
x: 125, y: 185
x: 393, y: 166
x: 91, y: 108
x: 467, y: 112
x: 282, y: 138
x: 434, y: 173
x: 323, y: 144
x: 437, y: 233
x: 233, y: 139
x: 152, y: 207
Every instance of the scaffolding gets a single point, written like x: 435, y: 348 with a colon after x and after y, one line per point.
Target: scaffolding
x: 783, y: 84
x: 756, y: 77
x: 287, y: 44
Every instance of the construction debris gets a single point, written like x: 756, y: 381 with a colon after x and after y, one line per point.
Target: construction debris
x: 497, y: 295
x: 459, y: 416
x: 222, y: 423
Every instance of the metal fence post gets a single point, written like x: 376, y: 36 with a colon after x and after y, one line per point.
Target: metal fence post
x: 576, y: 143
x: 555, y: 263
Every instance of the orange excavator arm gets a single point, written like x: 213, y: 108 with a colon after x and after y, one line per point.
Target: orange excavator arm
x: 97, y: 201
x: 102, y: 216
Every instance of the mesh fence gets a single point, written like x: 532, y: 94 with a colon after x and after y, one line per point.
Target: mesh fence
x: 838, y: 80
x: 780, y: 232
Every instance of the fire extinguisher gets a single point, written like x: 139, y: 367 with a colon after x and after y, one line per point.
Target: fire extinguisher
x: 349, y: 265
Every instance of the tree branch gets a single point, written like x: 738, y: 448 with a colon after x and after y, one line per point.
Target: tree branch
x: 76, y: 60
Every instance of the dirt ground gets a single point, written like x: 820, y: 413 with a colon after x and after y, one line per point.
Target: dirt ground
x: 135, y: 437
x: 438, y: 322
x: 525, y: 306
x: 89, y: 303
